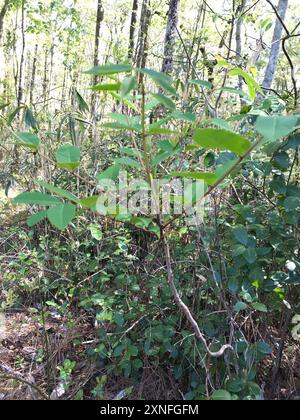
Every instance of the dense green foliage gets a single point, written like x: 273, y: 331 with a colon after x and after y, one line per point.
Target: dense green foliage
x: 129, y: 277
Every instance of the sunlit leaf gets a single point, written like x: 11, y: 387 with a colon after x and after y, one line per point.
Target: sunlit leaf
x: 109, y: 69
x: 253, y: 86
x: 209, y: 178
x: 210, y: 138
x: 108, y: 87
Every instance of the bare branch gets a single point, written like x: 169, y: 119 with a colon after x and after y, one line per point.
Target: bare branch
x: 184, y: 308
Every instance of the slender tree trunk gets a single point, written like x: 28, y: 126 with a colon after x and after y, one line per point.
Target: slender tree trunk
x: 170, y: 36
x: 142, y: 47
x: 21, y: 70
x: 238, y: 35
x: 202, y: 16
x: 99, y: 20
x: 132, y: 28
x: 146, y: 37
x: 3, y: 12
x: 2, y: 16
x: 238, y: 39
x: 45, y: 78
x: 63, y: 89
x: 33, y: 74
x: 15, y: 64
x: 196, y: 36
x: 275, y: 49
x: 50, y: 70
x: 66, y: 60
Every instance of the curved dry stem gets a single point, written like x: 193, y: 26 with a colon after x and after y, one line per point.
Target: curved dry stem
x: 184, y: 308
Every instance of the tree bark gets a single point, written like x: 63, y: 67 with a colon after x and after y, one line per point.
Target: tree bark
x: 132, y: 28
x: 275, y: 49
x: 238, y: 39
x: 2, y: 16
x: 170, y: 36
x: 238, y: 35
x: 50, y: 70
x: 45, y: 77
x: 33, y: 74
x: 198, y: 39
x: 141, y: 54
x: 99, y: 20
x: 21, y: 69
x: 3, y: 12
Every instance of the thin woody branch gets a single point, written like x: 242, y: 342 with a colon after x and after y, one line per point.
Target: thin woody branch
x: 183, y: 307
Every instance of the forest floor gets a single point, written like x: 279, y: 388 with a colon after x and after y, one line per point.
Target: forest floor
x: 32, y: 350
x: 21, y: 344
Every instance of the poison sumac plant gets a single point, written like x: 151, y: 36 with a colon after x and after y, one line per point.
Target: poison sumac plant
x: 165, y: 142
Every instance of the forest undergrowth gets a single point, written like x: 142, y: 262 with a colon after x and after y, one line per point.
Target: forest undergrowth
x: 149, y: 200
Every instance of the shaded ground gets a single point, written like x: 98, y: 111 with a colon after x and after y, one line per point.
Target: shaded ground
x: 21, y: 356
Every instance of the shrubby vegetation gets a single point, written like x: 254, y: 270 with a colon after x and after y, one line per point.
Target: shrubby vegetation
x: 137, y: 306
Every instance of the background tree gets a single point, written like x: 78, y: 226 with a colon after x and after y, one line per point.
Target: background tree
x: 276, y: 45
x: 132, y: 28
x: 99, y: 20
x: 3, y: 11
x: 238, y: 36
x: 142, y: 46
x: 170, y: 36
x: 21, y: 65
